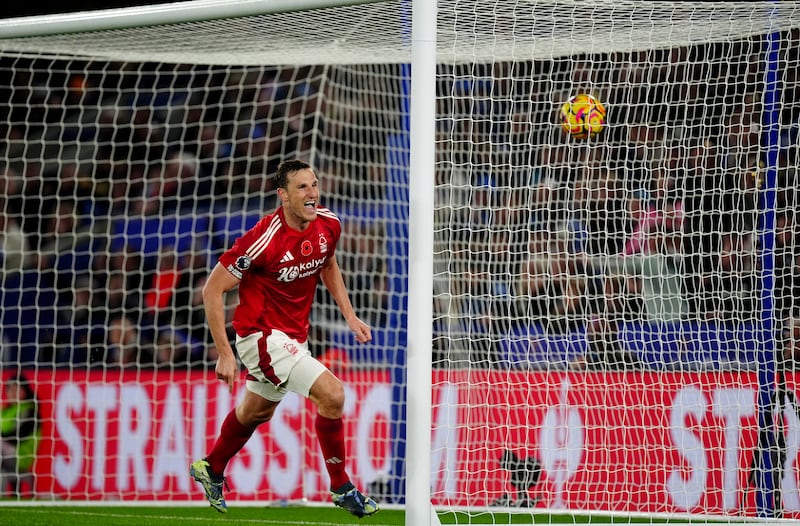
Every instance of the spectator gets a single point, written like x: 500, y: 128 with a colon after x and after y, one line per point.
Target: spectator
x: 121, y: 295
x: 125, y: 190
x: 662, y: 209
x: 82, y: 322
x: 65, y: 244
x: 161, y: 287
x: 557, y: 283
x: 719, y: 219
x: 176, y: 306
x: 651, y: 278
x: 363, y: 254
x: 601, y: 203
x: 790, y: 341
x: 719, y: 242
x: 787, y: 265
x: 743, y: 138
x: 39, y: 194
x: 15, y: 251
x: 735, y: 278
x: 176, y: 186
x: 124, y: 344
x: 552, y: 183
x: 650, y: 263
x: 19, y: 431
x: 174, y: 348
x: 15, y: 244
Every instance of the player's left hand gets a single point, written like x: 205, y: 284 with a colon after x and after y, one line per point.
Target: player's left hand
x: 360, y: 329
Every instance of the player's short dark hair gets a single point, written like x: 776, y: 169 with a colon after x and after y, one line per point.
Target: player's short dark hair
x: 287, y: 167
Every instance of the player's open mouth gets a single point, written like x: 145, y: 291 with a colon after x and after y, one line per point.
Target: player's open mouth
x: 310, y: 205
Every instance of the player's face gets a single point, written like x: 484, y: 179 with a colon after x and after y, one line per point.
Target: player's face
x: 300, y: 198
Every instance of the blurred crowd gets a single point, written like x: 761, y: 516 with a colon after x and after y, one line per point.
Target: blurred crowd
x: 121, y: 184
x: 656, y: 236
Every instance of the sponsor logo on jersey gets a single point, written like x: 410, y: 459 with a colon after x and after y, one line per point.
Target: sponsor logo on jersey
x: 303, y: 270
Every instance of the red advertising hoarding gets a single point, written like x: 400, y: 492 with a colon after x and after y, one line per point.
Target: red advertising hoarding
x: 634, y: 441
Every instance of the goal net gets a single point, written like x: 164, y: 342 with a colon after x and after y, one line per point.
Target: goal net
x: 614, y: 324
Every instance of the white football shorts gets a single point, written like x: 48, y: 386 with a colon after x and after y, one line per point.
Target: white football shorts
x: 277, y: 364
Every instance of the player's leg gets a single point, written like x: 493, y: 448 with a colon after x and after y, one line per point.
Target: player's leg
x: 257, y: 406
x: 236, y: 430
x: 240, y: 424
x: 327, y: 393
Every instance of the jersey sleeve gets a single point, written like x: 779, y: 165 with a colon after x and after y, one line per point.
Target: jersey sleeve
x: 238, y: 259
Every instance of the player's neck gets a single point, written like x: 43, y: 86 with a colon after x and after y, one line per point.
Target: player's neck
x: 294, y: 222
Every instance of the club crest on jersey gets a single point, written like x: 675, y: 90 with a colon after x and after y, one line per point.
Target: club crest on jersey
x: 306, y: 248
x: 323, y: 244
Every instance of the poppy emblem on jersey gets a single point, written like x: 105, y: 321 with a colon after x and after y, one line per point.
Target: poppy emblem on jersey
x: 306, y: 248
x: 323, y: 244
x: 243, y: 263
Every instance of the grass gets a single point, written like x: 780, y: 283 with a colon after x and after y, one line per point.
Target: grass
x: 29, y: 514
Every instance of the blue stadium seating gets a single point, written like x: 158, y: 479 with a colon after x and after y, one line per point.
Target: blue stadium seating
x: 658, y: 346
x: 150, y: 234
x: 227, y: 226
x: 28, y: 317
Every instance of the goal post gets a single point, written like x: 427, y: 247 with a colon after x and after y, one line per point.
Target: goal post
x: 156, y: 15
x: 561, y: 327
x: 422, y: 204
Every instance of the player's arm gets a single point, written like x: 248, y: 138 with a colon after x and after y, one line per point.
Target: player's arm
x: 332, y: 278
x: 218, y: 283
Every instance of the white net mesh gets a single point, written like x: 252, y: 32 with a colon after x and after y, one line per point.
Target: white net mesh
x: 379, y: 31
x: 606, y: 312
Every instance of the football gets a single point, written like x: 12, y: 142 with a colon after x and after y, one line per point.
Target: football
x: 583, y: 117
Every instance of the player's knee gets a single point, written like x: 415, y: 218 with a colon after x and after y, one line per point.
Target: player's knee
x: 328, y: 393
x: 336, y: 396
x: 254, y: 410
x: 263, y: 415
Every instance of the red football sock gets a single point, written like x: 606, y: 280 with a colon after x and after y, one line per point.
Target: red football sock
x: 232, y: 437
x: 330, y: 433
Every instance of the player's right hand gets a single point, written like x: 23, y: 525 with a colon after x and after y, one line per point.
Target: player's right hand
x: 226, y: 370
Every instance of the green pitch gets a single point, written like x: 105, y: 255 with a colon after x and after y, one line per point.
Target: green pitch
x: 31, y: 515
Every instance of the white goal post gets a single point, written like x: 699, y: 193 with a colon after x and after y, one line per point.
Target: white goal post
x: 562, y: 327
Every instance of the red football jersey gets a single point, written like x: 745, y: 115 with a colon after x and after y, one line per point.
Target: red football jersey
x: 279, y: 270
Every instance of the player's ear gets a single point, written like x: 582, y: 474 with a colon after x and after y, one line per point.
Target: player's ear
x: 282, y: 195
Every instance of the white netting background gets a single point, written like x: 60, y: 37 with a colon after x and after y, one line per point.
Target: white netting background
x: 549, y: 341
x: 379, y: 32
